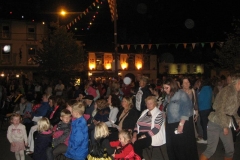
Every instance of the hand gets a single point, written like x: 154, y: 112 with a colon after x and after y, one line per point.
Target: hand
x: 113, y: 155
x: 13, y: 144
x: 118, y: 147
x: 143, y: 136
x: 180, y: 129
x: 134, y: 139
x: 225, y: 131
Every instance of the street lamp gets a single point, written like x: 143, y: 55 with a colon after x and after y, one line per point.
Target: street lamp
x: 62, y: 13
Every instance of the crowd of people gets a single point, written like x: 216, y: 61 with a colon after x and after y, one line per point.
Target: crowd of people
x: 117, y: 119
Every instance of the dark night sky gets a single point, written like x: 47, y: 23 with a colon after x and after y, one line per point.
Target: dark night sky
x: 140, y: 21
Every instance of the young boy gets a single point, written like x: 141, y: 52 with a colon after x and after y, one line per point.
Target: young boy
x: 78, y: 141
x: 61, y: 133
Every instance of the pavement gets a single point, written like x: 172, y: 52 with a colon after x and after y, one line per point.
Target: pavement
x: 5, y: 153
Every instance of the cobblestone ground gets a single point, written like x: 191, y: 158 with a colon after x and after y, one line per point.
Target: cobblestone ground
x: 5, y: 153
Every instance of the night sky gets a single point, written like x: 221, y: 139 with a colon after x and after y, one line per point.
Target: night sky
x: 140, y: 21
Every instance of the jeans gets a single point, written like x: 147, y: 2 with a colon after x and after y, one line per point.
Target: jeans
x: 204, y: 121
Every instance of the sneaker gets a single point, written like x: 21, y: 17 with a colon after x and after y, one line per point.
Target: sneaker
x: 202, y: 141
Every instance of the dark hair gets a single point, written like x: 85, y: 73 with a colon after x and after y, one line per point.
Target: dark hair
x: 173, y: 85
x: 181, y: 81
x: 115, y: 101
x: 71, y: 102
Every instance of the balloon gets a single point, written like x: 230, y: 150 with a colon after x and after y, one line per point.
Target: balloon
x: 127, y: 80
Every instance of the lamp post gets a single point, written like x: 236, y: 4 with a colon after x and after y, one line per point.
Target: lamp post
x: 115, y: 37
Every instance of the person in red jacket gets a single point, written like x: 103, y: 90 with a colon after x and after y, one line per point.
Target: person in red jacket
x: 124, y: 147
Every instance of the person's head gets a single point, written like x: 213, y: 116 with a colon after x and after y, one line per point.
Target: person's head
x: 65, y: 116
x: 236, y: 81
x: 125, y: 137
x: 88, y: 99
x: 101, y: 131
x: 151, y: 102
x: 185, y: 83
x: 127, y: 102
x: 15, y: 119
x: 170, y: 86
x: 101, y: 104
x: 52, y: 100
x: 113, y: 100
x: 152, y: 87
x: 23, y: 99
x: 45, y: 97
x: 78, y: 109
x: 143, y: 81
x: 157, y: 92
x: 43, y: 124
x: 229, y: 78
x: 70, y: 104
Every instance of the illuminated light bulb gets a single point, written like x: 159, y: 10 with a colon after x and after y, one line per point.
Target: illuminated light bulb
x: 98, y: 7
x: 33, y: 20
x: 43, y: 22
x: 90, y: 23
x: 22, y: 16
x: 10, y: 12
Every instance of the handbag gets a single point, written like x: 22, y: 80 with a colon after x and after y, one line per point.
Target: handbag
x: 234, y: 122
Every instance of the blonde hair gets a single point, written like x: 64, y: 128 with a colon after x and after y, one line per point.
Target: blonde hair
x: 144, y: 79
x: 101, y: 131
x: 129, y: 101
x: 127, y: 135
x: 153, y: 98
x: 43, y: 124
x: 101, y: 103
x: 78, y: 107
x: 16, y: 115
x: 65, y: 112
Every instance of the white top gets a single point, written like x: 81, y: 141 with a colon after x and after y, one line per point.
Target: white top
x: 112, y: 116
x: 17, y: 134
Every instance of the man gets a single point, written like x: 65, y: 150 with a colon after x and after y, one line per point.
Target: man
x: 43, y: 109
x: 59, y: 88
x: 89, y: 107
x: 225, y: 105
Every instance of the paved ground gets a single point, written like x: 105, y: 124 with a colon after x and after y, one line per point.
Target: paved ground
x: 5, y: 153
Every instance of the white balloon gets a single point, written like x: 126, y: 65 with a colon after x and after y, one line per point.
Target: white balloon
x: 127, y: 80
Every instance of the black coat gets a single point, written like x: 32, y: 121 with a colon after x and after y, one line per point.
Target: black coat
x: 130, y: 120
x: 41, y: 143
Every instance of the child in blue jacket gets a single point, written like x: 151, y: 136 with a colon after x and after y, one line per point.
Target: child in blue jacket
x: 78, y: 141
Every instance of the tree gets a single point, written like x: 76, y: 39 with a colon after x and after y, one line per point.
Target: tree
x: 228, y: 55
x: 60, y: 53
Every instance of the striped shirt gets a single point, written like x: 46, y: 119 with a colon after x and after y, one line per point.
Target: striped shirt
x: 145, y: 123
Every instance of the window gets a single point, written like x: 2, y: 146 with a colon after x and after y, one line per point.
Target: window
x: 31, y: 32
x: 6, y: 54
x: 178, y: 68
x: 188, y: 68
x: 31, y: 50
x: 194, y: 68
x: 5, y: 30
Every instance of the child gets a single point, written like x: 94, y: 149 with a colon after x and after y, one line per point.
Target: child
x: 101, y: 149
x: 124, y: 148
x: 61, y: 133
x: 42, y: 139
x: 17, y: 136
x: 78, y: 141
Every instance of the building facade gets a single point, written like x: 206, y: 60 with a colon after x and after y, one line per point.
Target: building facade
x: 19, y: 41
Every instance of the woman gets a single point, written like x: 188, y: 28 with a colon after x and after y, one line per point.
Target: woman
x: 180, y: 137
x: 205, y: 106
x: 126, y: 118
x: 185, y: 84
x: 57, y: 104
x: 113, y: 104
x: 149, y: 129
x: 142, y: 93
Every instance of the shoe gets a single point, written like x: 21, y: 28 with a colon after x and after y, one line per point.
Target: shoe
x: 202, y: 141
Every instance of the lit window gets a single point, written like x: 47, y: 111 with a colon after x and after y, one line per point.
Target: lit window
x: 31, y: 55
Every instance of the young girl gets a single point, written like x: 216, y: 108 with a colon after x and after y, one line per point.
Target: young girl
x: 124, y: 147
x: 101, y: 149
x: 42, y: 139
x: 17, y: 136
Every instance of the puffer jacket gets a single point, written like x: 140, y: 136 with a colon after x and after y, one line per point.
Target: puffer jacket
x: 78, y: 141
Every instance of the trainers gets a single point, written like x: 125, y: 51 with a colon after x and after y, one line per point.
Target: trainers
x: 202, y: 141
